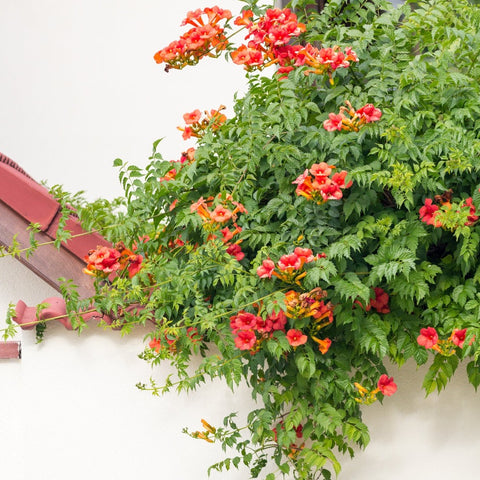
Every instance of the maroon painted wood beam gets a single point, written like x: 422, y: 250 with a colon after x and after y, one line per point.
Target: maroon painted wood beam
x: 48, y: 262
x: 10, y: 350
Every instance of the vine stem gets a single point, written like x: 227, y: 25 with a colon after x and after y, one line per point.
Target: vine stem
x: 199, y: 374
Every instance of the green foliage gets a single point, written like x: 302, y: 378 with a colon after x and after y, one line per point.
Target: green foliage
x: 10, y: 329
x: 41, y: 326
x: 419, y: 66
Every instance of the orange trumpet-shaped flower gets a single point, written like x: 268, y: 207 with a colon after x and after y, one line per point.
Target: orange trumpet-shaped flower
x: 245, y: 19
x: 351, y: 120
x: 205, y: 38
x: 193, y: 117
x: 323, y: 345
x: 221, y: 214
x: 196, y: 126
x: 208, y: 427
x: 296, y: 337
x: 200, y: 206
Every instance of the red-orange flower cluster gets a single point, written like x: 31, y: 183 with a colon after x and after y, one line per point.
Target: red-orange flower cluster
x: 351, y: 120
x: 429, y: 339
x: 311, y: 304
x: 320, y: 185
x: 103, y: 261
x: 220, y: 215
x: 430, y: 212
x: 187, y: 157
x: 379, y: 303
x: 250, y: 329
x: 235, y: 250
x: 325, y: 60
x: 289, y: 267
x: 205, y: 38
x: 169, y: 341
x: 227, y: 209
x: 472, y: 217
x: 196, y: 125
x: 268, y: 40
x: 385, y: 385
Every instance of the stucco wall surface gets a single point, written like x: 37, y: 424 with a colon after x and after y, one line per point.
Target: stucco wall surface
x: 70, y: 409
x: 418, y: 438
x: 79, y: 87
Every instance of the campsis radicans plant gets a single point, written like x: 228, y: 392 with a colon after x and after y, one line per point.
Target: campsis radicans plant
x: 350, y: 120
x: 290, y: 267
x: 205, y: 38
x: 385, y: 385
x: 304, y: 244
x: 447, y: 214
x: 268, y: 40
x: 196, y: 124
x: 429, y: 339
x: 225, y: 211
x: 104, y: 261
x: 320, y: 183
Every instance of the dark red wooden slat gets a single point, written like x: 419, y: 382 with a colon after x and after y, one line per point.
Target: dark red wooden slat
x: 10, y: 350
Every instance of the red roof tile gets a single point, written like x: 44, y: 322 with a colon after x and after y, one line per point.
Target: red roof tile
x: 34, y: 203
x: 27, y: 197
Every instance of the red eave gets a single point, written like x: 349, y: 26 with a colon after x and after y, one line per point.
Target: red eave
x: 22, y: 202
x: 34, y: 203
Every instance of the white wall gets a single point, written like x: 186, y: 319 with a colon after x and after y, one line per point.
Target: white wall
x: 413, y: 437
x: 79, y: 86
x: 70, y: 409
